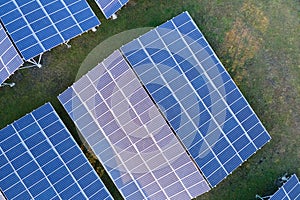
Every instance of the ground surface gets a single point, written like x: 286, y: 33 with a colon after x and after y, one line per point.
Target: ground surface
x: 257, y: 41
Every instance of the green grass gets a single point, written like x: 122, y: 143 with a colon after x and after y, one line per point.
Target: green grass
x: 270, y: 78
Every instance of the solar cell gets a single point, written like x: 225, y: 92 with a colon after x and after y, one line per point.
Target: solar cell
x: 110, y: 7
x: 39, y: 159
x: 10, y: 60
x: 197, y: 96
x: 38, y: 26
x: 289, y: 191
x: 129, y: 136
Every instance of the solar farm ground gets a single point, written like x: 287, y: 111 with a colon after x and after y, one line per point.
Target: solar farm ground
x: 258, y: 43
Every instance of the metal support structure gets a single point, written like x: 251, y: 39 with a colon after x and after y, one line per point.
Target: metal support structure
x: 281, y: 180
x: 262, y: 198
x: 34, y: 63
x: 7, y: 84
x: 114, y: 16
x: 68, y: 45
x: 284, y: 178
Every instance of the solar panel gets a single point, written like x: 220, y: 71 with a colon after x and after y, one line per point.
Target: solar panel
x: 10, y: 60
x: 39, y: 159
x: 110, y: 7
x: 197, y: 96
x: 289, y: 191
x: 38, y: 26
x: 128, y: 134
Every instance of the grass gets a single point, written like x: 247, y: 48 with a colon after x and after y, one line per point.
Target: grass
x: 257, y: 41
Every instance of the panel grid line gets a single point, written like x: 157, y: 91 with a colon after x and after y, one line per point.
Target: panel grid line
x: 91, y: 87
x: 215, y: 89
x: 153, y: 138
x: 167, y: 121
x: 167, y: 84
x: 38, y: 26
x: 72, y: 16
x: 107, y: 139
x: 182, y: 73
x: 286, y: 194
x: 15, y: 171
x: 34, y: 170
x: 109, y: 8
x: 120, y: 124
x: 10, y: 60
x: 39, y: 167
x: 212, y: 84
x: 33, y: 33
x: 216, y: 57
x: 289, y: 190
x: 52, y: 23
x: 129, y: 122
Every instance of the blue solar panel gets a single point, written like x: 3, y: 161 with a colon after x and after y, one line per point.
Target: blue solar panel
x: 39, y: 159
x: 197, y: 96
x: 110, y: 7
x: 289, y: 191
x: 10, y: 60
x: 38, y: 26
x: 129, y: 136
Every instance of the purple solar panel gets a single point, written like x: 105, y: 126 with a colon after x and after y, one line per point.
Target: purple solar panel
x: 10, y: 60
x: 1, y: 196
x: 129, y: 135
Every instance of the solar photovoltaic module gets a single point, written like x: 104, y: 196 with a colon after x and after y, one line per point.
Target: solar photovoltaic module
x: 39, y: 159
x: 110, y: 7
x: 10, y: 60
x: 40, y: 25
x: 289, y: 191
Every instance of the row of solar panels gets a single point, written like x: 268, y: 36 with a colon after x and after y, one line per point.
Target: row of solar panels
x: 128, y: 108
x: 38, y: 26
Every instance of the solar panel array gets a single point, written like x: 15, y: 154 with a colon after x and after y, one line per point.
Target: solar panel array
x: 197, y: 96
x: 289, y: 191
x: 10, y: 60
x: 38, y: 26
x: 129, y: 136
x: 110, y: 7
x: 40, y: 160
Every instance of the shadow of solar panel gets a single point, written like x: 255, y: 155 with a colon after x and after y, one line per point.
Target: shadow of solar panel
x: 289, y: 190
x: 110, y: 7
x: 129, y: 136
x: 38, y: 26
x: 197, y: 96
x: 39, y: 159
x: 10, y: 60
